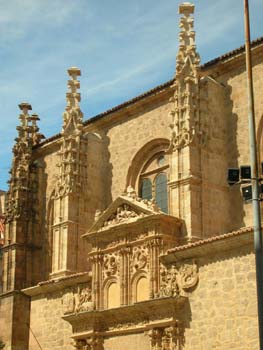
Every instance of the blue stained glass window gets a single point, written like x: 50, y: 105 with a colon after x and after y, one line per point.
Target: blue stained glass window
x: 146, y: 189
x: 161, y: 192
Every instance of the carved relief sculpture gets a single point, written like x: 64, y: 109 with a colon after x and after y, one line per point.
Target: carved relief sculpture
x: 78, y: 302
x: 176, y: 280
x: 139, y: 258
x: 110, y: 264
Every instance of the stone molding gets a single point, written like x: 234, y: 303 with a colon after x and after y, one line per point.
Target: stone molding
x: 57, y: 284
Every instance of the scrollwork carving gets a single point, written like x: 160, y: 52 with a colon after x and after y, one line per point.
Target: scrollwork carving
x: 175, y: 280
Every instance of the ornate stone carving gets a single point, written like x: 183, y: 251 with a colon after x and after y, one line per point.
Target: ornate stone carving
x: 110, y: 264
x: 186, y: 126
x: 167, y: 338
x: 72, y: 164
x: 95, y: 342
x: 23, y: 182
x: 155, y: 335
x: 132, y: 195
x: 139, y: 258
x: 177, y: 280
x: 81, y: 344
x: 169, y: 286
x: 187, y: 47
x: 124, y: 213
x: 81, y: 301
x: 187, y: 276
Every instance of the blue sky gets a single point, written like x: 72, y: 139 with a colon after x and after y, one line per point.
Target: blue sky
x: 123, y: 48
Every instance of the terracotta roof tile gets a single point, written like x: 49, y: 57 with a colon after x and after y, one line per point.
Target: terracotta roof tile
x: 232, y: 53
x: 202, y: 242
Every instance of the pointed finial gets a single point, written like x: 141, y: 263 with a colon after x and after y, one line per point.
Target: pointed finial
x: 187, y: 47
x: 25, y: 107
x: 72, y: 117
x: 73, y: 96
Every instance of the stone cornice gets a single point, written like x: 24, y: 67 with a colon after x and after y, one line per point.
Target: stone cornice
x: 188, y: 180
x: 11, y: 293
x: 140, y: 313
x: 57, y: 284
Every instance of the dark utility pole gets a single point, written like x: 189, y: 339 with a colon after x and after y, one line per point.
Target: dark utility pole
x: 254, y: 179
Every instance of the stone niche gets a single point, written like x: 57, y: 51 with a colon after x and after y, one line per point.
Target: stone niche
x: 131, y: 291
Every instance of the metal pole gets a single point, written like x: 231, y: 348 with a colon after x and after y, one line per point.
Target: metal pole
x: 254, y: 179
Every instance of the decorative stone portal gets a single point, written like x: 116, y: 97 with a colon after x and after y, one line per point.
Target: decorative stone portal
x: 132, y: 292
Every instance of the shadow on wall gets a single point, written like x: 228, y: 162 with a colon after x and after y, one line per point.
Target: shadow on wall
x: 236, y: 205
x: 106, y: 172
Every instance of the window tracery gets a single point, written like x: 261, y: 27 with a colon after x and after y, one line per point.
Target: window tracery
x: 153, y: 181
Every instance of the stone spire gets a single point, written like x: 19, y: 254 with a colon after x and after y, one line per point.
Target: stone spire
x: 28, y: 136
x: 70, y: 169
x: 185, y: 102
x: 72, y: 117
x: 21, y: 213
x: 187, y: 47
x: 188, y: 129
x: 70, y: 189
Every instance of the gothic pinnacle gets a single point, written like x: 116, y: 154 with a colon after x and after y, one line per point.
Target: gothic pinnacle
x: 187, y: 48
x: 72, y: 117
x: 73, y: 96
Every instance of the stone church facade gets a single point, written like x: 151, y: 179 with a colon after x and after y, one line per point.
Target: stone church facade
x: 121, y: 232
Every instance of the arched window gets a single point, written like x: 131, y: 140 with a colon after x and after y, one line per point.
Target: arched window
x: 161, y: 192
x: 113, y: 295
x: 142, y: 289
x: 153, y: 180
x: 146, y: 189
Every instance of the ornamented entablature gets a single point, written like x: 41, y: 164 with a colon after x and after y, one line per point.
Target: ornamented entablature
x: 139, y: 316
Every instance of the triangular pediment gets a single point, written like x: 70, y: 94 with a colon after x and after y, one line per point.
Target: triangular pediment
x: 125, y: 209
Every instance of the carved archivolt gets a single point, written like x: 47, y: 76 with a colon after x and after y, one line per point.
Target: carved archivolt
x: 177, y: 280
